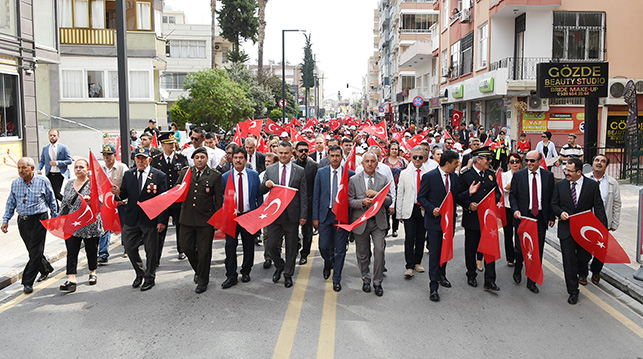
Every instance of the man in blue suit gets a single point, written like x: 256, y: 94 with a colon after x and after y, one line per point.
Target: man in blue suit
x: 332, y: 240
x: 140, y: 184
x: 433, y: 191
x: 248, y: 197
x: 55, y: 158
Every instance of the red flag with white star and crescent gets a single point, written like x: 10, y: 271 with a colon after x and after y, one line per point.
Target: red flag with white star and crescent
x: 446, y: 222
x: 278, y: 199
x: 340, y: 207
x: 351, y: 162
x: 273, y: 128
x: 502, y: 211
x: 65, y: 226
x: 154, y: 206
x: 378, y: 202
x: 224, y: 218
x: 528, y: 236
x: 589, y: 233
x: 102, y: 188
x: 378, y: 130
x: 489, y: 241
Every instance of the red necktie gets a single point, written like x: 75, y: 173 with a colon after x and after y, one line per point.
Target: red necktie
x: 240, y: 193
x: 534, y: 196
x: 283, y: 176
x: 417, y: 189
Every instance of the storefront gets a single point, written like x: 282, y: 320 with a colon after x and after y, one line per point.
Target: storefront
x: 10, y: 113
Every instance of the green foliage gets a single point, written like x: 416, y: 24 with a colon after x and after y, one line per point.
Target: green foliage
x: 275, y: 114
x: 308, y: 67
x: 178, y: 113
x: 273, y: 84
x: 237, y: 56
x: 256, y: 93
x: 238, y: 20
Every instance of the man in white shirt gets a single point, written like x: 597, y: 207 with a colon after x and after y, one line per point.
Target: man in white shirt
x: 385, y: 171
x: 198, y: 140
x: 571, y: 150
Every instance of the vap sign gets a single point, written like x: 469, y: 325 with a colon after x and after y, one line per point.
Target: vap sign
x: 572, y: 79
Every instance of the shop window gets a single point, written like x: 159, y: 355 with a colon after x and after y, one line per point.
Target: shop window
x: 496, y: 115
x: 9, y: 112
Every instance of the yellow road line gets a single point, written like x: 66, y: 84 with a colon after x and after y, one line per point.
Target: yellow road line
x: 602, y: 304
x: 286, y: 339
x: 326, y: 346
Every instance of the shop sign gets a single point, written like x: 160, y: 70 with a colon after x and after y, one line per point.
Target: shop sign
x: 434, y: 103
x: 571, y: 79
x: 458, y: 91
x: 486, y: 85
x: 534, y: 122
x: 10, y: 152
x: 556, y: 123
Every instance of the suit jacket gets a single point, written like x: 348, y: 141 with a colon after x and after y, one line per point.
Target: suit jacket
x: 155, y: 184
x: 255, y: 197
x: 118, y: 173
x: 172, y: 170
x: 487, y: 184
x: 316, y: 156
x: 612, y: 202
x: 321, y: 194
x: 310, y: 169
x: 589, y: 198
x: 298, y: 208
x: 63, y: 159
x: 519, y: 193
x: 205, y: 197
x: 261, y: 161
x: 324, y: 162
x: 357, y: 192
x: 431, y: 195
x: 405, y: 196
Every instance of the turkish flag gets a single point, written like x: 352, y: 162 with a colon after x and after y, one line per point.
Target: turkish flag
x: 335, y: 124
x: 371, y: 142
x: 65, y: 226
x: 118, y: 149
x: 224, y: 218
x: 378, y: 130
x: 155, y: 141
x: 415, y: 140
x: 502, y: 212
x: 489, y: 241
x: 488, y: 142
x: 456, y: 118
x: 398, y: 136
x: 589, y: 233
x: 156, y: 205
x: 279, y: 197
x: 528, y: 236
x: 315, y: 121
x: 367, y: 123
x: 237, y: 136
x: 446, y: 135
x: 340, y: 208
x: 543, y: 163
x: 296, y: 137
x: 251, y: 127
x: 446, y: 222
x: 309, y: 124
x: 351, y: 163
x: 295, y: 122
x: 273, y: 128
x: 262, y: 146
x: 378, y: 201
x: 101, y: 187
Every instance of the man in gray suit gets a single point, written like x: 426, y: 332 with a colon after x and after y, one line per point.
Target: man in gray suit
x: 286, y: 173
x: 362, y: 188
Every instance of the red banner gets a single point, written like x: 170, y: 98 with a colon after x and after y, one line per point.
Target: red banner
x: 378, y: 202
x: 489, y: 241
x: 224, y: 218
x: 447, y: 212
x: 153, y: 207
x: 589, y: 233
x: 279, y: 197
x: 528, y: 236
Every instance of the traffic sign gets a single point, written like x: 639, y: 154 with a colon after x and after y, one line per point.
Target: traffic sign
x: 418, y: 101
x: 281, y: 103
x: 381, y: 109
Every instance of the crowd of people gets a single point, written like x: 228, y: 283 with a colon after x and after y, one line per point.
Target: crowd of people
x: 421, y: 164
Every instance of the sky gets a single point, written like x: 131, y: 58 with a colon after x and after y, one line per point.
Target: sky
x: 341, y: 34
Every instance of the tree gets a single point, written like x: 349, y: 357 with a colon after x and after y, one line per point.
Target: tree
x: 262, y: 36
x: 215, y: 99
x: 259, y: 96
x: 238, y: 21
x: 308, y: 69
x: 273, y: 84
x: 213, y: 27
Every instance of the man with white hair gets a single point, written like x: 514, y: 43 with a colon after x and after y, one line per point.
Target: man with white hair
x: 257, y: 160
x: 320, y: 149
x: 383, y: 170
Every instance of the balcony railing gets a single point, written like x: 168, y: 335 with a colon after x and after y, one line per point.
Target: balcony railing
x: 522, y: 68
x: 81, y: 36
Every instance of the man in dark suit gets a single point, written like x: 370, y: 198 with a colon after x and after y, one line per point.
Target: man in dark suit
x: 531, y: 191
x: 248, y: 198
x: 310, y: 169
x: 464, y: 135
x: 320, y: 150
x: 171, y: 163
x: 575, y: 194
x: 205, y: 197
x: 257, y: 160
x: 435, y: 186
x: 286, y: 173
x: 55, y: 158
x: 332, y: 240
x: 475, y: 184
x: 140, y: 184
x: 362, y: 188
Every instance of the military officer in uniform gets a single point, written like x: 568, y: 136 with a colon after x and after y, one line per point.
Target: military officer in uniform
x: 475, y: 184
x: 204, y: 198
x: 171, y: 163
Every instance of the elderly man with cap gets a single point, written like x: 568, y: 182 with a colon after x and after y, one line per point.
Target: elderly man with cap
x: 115, y: 170
x: 140, y: 184
x: 171, y: 163
x: 205, y: 197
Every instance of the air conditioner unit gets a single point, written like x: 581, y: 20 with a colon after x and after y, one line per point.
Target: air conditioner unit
x: 216, y: 47
x: 445, y: 72
x: 616, y: 88
x: 465, y: 15
x: 537, y: 104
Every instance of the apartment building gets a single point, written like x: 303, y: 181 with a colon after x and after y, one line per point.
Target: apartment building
x: 489, y: 50
x: 371, y: 86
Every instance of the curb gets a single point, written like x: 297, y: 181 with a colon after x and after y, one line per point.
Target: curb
x: 614, y: 274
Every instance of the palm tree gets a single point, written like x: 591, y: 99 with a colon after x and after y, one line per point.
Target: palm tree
x: 262, y: 36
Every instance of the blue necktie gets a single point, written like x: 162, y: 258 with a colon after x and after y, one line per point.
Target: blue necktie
x: 334, y: 192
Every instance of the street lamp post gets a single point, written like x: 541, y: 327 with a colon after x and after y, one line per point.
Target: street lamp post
x: 283, y: 73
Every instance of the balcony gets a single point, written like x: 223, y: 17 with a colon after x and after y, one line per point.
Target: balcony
x: 523, y: 68
x: 508, y: 8
x: 416, y: 54
x: 84, y: 36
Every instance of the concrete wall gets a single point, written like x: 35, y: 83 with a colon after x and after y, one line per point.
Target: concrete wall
x: 501, y: 38
x: 539, y: 34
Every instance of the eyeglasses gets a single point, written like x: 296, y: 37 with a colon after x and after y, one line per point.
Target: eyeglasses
x: 303, y: 150
x: 513, y: 162
x: 543, y: 136
x: 273, y: 146
x: 195, y: 138
x: 530, y: 160
x: 416, y: 157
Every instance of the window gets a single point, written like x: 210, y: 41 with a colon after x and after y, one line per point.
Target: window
x: 44, y: 24
x: 173, y: 81
x: 408, y: 82
x: 455, y: 60
x: 418, y: 22
x: 9, y: 111
x: 445, y: 14
x: 445, y: 65
x: 8, y: 17
x: 466, y: 44
x: 187, y: 48
x: 224, y: 55
x: 139, y: 84
x: 93, y: 14
x: 578, y: 35
x: 72, y: 82
x: 113, y: 83
x: 483, y: 45
x: 98, y: 14
x: 169, y: 19
x: 95, y: 84
x: 143, y: 16
x: 81, y: 13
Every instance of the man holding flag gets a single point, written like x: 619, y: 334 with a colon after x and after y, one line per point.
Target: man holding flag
x: 114, y: 170
x: 437, y: 190
x: 330, y: 182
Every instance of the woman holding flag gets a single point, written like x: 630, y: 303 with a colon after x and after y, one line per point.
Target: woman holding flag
x: 74, y: 193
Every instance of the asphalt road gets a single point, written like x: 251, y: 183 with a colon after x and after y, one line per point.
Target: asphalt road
x: 261, y: 319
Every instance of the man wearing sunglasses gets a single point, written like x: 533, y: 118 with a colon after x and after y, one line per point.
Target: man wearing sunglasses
x: 197, y: 136
x: 310, y: 171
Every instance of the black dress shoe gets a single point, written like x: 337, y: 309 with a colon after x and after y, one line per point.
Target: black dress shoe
x: 303, y: 261
x: 245, y: 278
x: 147, y: 286
x: 434, y: 297
x: 181, y: 256
x: 326, y: 273
x: 517, y: 278
x: 378, y: 290
x: 573, y: 298
x: 229, y: 282
x: 267, y: 264
x: 491, y: 286
x: 43, y: 277
x: 195, y: 279
x: 201, y: 288
x: 276, y: 276
x: 444, y: 282
x: 28, y: 289
x: 287, y: 281
x: 337, y: 287
x: 137, y: 282
x: 366, y: 287
x: 472, y: 282
x: 532, y: 288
